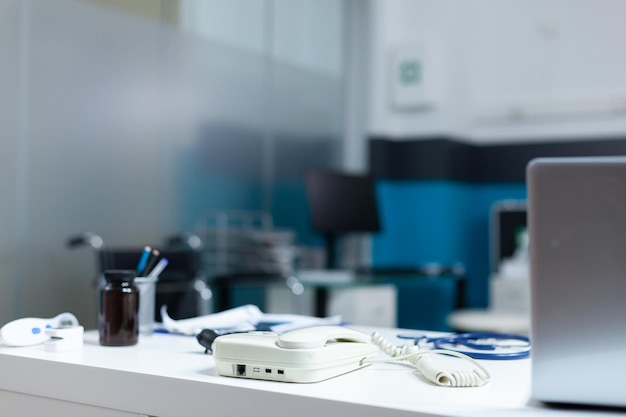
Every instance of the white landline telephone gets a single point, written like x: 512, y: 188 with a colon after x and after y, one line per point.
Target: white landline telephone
x: 317, y: 353
x: 304, y: 355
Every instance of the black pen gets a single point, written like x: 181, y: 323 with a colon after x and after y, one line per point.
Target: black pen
x: 154, y: 257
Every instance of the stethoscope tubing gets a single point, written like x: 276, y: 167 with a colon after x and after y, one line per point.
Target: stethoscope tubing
x: 470, y: 340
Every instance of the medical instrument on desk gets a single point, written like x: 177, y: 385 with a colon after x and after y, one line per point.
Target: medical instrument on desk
x: 478, y: 345
x: 64, y: 339
x: 305, y: 355
x: 30, y: 331
x: 316, y: 353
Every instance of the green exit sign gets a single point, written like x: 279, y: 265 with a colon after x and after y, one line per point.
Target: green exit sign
x: 411, y: 81
x: 410, y: 72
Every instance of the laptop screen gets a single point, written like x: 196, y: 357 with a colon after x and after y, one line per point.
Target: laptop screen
x: 577, y: 231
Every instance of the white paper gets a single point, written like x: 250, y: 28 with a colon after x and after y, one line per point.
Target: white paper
x: 243, y: 318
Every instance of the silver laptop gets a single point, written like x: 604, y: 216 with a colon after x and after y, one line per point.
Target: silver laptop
x: 577, y: 229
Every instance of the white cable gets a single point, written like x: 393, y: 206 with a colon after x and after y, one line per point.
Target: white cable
x: 427, y: 367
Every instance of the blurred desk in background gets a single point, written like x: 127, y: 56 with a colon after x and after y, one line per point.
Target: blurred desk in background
x: 420, y: 301
x: 489, y: 320
x: 412, y: 301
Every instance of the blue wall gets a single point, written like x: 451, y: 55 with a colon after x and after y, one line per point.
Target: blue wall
x: 436, y: 194
x: 439, y: 221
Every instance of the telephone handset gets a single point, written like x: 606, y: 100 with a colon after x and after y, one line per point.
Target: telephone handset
x: 319, y: 336
x: 303, y: 355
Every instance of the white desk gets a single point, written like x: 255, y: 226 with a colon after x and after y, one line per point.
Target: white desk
x: 170, y: 376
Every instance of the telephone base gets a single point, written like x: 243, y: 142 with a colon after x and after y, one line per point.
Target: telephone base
x: 283, y: 373
x: 257, y: 356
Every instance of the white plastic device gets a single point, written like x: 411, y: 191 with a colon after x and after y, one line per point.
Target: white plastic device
x: 30, y: 331
x: 64, y: 339
x: 317, y: 353
x: 304, y: 355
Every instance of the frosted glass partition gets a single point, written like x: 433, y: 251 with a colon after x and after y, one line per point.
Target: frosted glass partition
x: 9, y: 154
x: 131, y: 129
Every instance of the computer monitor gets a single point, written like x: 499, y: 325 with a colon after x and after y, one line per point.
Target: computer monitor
x: 341, y: 203
x: 508, y: 220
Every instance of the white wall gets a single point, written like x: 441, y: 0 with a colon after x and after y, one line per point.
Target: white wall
x: 399, y: 23
x: 504, y: 69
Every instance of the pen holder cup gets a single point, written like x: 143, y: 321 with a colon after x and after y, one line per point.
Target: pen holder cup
x: 147, y: 298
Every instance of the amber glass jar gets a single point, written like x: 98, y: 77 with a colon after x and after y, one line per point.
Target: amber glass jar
x: 118, y: 317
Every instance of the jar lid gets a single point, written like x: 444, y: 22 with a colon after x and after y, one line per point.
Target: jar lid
x: 119, y: 275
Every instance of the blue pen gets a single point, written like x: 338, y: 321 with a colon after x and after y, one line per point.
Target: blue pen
x: 144, y: 259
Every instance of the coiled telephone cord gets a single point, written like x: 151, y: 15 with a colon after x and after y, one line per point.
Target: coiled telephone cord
x: 427, y: 367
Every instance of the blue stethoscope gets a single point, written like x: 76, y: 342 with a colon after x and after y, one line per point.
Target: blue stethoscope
x: 479, y: 345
